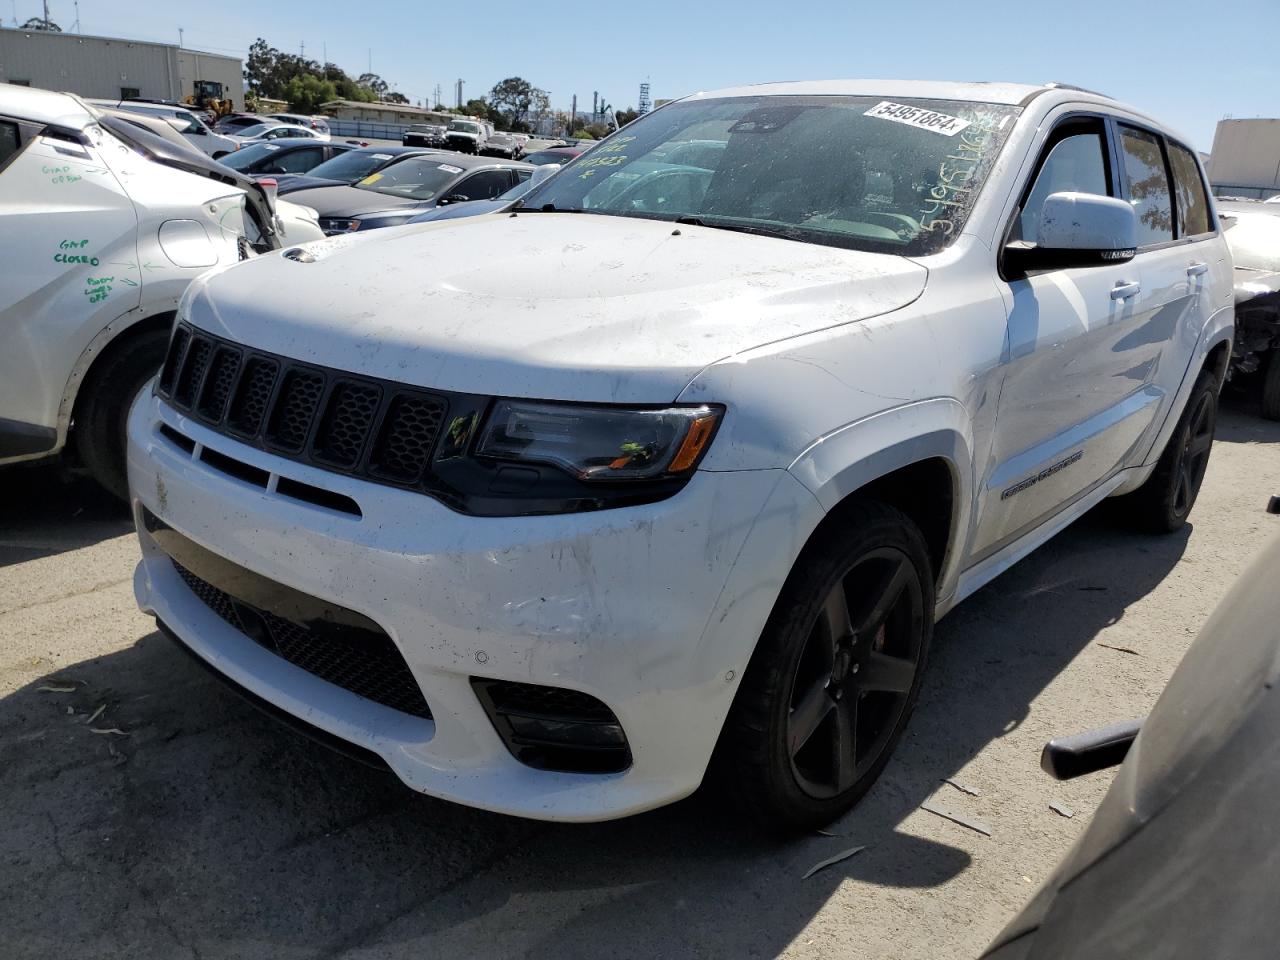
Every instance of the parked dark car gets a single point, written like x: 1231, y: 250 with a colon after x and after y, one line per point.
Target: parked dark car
x: 500, y: 203
x: 559, y: 155
x: 1180, y: 857
x: 401, y: 190
x: 503, y: 145
x: 348, y: 167
x: 286, y: 155
x: 423, y: 135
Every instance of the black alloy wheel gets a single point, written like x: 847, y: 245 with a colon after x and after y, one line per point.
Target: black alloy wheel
x: 1195, y: 452
x: 1163, y: 503
x: 835, y: 673
x: 851, y: 684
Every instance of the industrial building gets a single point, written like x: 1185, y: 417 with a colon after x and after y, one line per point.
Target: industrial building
x: 1245, y: 159
x: 115, y: 68
x: 378, y: 112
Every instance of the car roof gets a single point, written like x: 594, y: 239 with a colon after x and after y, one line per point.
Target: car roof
x: 296, y: 142
x: 986, y: 92
x: 400, y: 149
x: 468, y: 161
x: 44, y: 106
x: 978, y: 91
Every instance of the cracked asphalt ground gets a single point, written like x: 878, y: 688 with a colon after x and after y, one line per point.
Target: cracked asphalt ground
x: 204, y: 829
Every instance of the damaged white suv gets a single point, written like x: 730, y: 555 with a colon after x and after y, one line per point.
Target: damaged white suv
x: 683, y: 459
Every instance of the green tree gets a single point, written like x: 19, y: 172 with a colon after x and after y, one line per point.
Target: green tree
x: 396, y: 96
x: 306, y: 93
x: 40, y: 23
x: 626, y: 116
x: 513, y: 98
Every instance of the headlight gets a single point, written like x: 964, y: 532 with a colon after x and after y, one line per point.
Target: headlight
x: 600, y: 443
x: 333, y: 225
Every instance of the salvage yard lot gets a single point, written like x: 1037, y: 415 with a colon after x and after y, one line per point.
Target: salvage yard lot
x: 146, y: 811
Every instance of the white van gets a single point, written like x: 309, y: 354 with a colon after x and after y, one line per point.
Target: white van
x: 102, y: 226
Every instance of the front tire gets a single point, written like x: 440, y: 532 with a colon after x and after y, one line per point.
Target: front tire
x: 1163, y: 503
x: 104, y: 402
x: 836, y: 673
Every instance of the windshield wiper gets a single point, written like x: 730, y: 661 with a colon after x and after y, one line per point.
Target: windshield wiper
x: 545, y: 208
x: 692, y: 221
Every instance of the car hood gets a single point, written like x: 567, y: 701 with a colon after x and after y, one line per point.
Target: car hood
x: 347, y: 201
x: 557, y: 306
x: 293, y: 182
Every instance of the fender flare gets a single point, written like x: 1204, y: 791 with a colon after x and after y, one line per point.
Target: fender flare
x: 852, y: 456
x: 101, y: 341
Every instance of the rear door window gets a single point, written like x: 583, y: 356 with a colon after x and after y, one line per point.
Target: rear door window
x: 1193, y: 204
x: 1148, y: 185
x: 484, y: 186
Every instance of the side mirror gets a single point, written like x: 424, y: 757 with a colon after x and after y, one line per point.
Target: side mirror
x: 542, y: 173
x: 1077, y: 230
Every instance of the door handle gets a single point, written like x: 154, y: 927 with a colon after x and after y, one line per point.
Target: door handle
x: 1196, y: 269
x: 1125, y: 289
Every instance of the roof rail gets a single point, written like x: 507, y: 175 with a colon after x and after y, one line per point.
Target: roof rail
x: 1055, y: 85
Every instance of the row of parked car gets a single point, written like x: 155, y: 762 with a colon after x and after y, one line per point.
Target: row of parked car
x: 666, y: 472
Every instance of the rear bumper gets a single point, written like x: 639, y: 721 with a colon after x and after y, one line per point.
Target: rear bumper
x: 654, y: 610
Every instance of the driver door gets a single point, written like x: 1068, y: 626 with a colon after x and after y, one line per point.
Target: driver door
x: 1071, y: 404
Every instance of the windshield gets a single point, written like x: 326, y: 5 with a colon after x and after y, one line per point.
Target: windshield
x: 246, y: 157
x: 416, y: 178
x: 350, y: 166
x: 856, y: 172
x: 257, y: 130
x: 462, y: 126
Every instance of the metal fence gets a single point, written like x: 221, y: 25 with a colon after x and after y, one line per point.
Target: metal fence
x: 367, y: 129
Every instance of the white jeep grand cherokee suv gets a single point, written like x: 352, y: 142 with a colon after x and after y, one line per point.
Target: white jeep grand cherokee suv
x: 683, y: 461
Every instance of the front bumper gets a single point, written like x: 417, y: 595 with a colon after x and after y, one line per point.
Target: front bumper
x: 654, y: 610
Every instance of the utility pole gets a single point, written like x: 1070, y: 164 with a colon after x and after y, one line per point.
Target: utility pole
x: 302, y: 49
x: 324, y: 51
x: 573, y: 116
x: 459, y: 96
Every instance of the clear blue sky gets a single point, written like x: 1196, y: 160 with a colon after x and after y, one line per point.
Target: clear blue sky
x: 1188, y: 63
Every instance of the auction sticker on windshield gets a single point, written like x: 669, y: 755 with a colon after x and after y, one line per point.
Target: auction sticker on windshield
x: 918, y: 117
x: 448, y: 169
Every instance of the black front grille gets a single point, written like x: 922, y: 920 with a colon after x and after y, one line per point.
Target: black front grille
x: 363, y: 662
x: 376, y: 429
